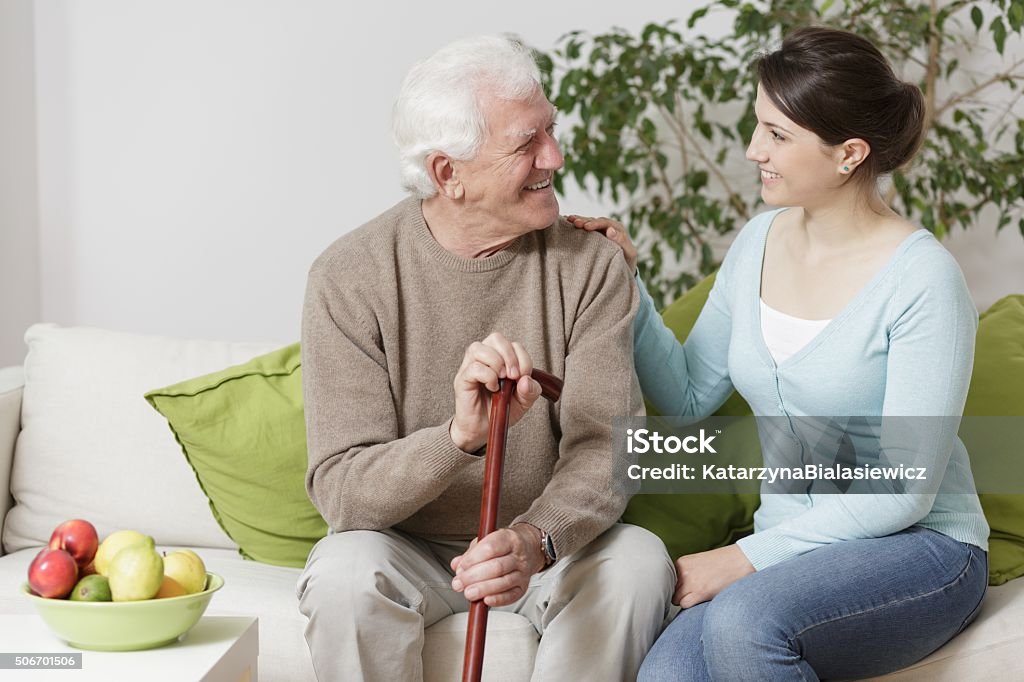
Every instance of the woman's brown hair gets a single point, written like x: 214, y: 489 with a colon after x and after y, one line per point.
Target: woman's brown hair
x: 839, y: 86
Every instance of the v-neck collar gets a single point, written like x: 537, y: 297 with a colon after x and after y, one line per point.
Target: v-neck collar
x: 848, y: 310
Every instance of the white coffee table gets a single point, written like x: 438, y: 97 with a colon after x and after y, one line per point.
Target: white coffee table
x: 216, y: 649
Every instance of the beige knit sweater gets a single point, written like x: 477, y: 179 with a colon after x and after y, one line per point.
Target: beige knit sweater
x: 388, y: 316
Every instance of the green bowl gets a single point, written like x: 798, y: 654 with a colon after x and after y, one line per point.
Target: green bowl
x: 124, y: 625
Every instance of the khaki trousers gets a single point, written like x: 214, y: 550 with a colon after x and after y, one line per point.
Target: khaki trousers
x: 369, y: 595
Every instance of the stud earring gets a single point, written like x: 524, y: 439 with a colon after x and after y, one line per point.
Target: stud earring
x: 846, y: 169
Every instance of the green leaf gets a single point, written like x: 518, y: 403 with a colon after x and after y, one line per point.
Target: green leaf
x: 1016, y: 15
x: 697, y: 180
x: 706, y: 255
x: 998, y: 33
x: 977, y: 17
x: 696, y: 16
x: 572, y: 50
x: 648, y: 132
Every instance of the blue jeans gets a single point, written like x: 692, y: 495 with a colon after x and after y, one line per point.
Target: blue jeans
x: 852, y: 609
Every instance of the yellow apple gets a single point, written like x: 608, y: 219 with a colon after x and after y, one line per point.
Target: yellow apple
x: 114, y: 543
x: 186, y: 568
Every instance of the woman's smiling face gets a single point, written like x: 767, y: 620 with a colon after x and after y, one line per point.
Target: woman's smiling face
x: 796, y: 167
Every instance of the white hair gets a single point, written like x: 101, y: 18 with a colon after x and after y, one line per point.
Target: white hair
x: 439, y: 107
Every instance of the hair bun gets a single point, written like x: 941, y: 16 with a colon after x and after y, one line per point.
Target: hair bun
x: 908, y: 133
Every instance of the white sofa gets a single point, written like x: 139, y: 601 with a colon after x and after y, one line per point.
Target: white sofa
x: 77, y: 440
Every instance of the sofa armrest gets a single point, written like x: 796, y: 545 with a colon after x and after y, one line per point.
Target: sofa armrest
x: 12, y: 380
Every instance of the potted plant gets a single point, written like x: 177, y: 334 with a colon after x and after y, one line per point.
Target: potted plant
x: 659, y: 121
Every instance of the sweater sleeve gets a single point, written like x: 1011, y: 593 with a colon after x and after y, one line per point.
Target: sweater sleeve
x: 582, y: 499
x: 931, y: 329
x: 356, y: 459
x: 691, y: 378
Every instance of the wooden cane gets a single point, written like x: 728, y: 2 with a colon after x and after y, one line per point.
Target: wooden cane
x: 497, y: 436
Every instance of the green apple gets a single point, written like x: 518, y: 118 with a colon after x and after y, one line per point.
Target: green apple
x: 114, y: 543
x: 135, y: 573
x: 187, y: 569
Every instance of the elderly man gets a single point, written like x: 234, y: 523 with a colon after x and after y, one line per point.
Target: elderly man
x: 409, y: 323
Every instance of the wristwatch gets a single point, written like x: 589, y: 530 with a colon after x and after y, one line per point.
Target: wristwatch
x: 547, y: 545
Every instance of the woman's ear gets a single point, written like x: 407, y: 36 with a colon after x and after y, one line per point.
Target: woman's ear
x: 444, y: 176
x: 851, y: 154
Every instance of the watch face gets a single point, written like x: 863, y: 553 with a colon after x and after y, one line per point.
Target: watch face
x: 549, y: 547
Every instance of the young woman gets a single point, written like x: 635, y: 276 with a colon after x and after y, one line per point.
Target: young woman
x: 833, y: 306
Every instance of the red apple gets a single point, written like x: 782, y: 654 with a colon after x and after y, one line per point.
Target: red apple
x: 53, y: 574
x: 78, y: 538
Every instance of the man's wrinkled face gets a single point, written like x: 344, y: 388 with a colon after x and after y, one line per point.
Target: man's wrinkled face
x: 509, y: 181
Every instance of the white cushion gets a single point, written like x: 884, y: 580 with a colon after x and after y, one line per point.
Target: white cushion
x: 989, y: 649
x: 92, y: 448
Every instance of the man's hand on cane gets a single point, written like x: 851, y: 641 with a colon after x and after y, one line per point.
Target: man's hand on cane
x: 483, y: 365
x: 498, y: 569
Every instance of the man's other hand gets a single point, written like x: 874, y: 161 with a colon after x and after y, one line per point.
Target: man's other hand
x: 484, y: 363
x: 498, y: 569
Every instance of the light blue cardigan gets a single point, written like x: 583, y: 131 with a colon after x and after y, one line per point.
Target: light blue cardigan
x: 904, y: 346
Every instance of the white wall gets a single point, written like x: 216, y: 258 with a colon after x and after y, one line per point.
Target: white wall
x: 19, y: 253
x: 194, y: 156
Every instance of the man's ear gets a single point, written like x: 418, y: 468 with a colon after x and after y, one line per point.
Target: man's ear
x: 851, y: 154
x: 442, y: 173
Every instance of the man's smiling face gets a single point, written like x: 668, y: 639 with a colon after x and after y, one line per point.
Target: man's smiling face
x: 509, y: 181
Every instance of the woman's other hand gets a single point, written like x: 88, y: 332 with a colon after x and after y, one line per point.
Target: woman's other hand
x: 700, y: 577
x: 612, y: 229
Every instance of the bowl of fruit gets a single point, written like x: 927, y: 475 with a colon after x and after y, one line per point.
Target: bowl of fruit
x: 119, y: 594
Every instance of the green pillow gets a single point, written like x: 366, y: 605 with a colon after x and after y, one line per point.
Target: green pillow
x: 694, y: 523
x: 997, y: 389
x: 244, y: 434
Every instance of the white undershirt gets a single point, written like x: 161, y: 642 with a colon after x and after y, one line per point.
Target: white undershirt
x: 784, y: 334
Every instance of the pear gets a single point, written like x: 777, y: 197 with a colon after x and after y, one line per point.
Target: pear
x: 91, y: 588
x: 114, y: 543
x: 186, y: 568
x: 135, y: 573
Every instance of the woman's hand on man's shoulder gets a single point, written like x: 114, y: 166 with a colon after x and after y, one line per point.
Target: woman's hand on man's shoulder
x: 613, y: 230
